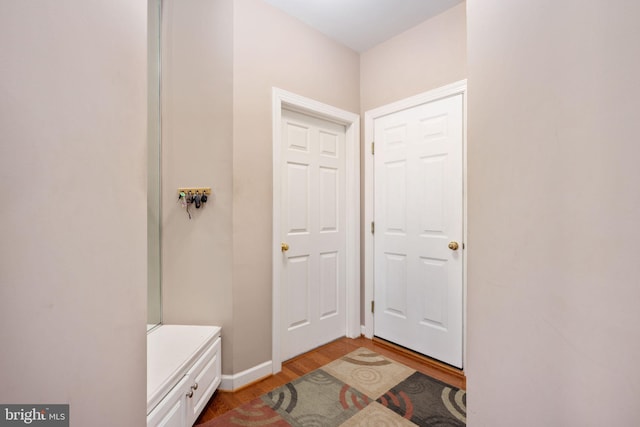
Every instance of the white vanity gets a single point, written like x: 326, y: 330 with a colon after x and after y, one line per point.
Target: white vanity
x: 183, y: 371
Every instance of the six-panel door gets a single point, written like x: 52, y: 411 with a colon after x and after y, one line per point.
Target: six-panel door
x: 313, y: 285
x: 418, y: 182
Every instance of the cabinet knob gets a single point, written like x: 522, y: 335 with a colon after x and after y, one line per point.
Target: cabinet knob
x: 190, y: 394
x: 194, y: 386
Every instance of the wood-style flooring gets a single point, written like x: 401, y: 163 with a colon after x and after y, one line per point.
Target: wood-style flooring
x: 222, y: 401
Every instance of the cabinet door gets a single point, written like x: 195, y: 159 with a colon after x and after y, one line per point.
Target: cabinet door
x: 172, y: 410
x: 204, y: 378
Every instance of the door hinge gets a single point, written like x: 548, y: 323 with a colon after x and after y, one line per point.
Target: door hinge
x: 373, y: 148
x: 373, y: 305
x: 373, y: 227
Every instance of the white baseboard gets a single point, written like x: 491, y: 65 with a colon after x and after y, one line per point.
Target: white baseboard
x: 236, y: 381
x: 366, y: 332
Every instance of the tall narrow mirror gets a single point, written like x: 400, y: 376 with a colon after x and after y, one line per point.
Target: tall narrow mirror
x: 154, y: 303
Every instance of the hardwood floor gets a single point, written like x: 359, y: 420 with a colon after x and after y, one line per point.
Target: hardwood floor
x: 222, y: 402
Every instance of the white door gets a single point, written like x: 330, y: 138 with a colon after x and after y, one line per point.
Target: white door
x: 418, y: 187
x: 313, y: 214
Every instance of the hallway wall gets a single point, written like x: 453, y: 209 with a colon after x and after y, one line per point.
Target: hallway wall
x: 73, y: 222
x: 554, y: 335
x: 197, y: 144
x: 427, y: 56
x: 222, y: 58
x: 270, y: 49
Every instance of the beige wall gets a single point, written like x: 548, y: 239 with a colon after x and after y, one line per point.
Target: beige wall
x: 427, y: 56
x: 554, y: 335
x: 222, y: 58
x: 73, y: 224
x: 197, y: 143
x: 270, y: 49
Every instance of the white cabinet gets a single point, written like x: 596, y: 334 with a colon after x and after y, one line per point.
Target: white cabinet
x: 171, y: 411
x: 183, y: 371
x: 204, y: 378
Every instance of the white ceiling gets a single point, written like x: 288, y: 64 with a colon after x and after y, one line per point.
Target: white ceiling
x: 362, y: 24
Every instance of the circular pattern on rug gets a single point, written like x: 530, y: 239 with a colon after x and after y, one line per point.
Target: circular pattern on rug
x: 319, y: 377
x: 350, y: 398
x: 312, y: 420
x: 366, y: 375
x: 415, y: 387
x: 456, y: 402
x: 286, y: 398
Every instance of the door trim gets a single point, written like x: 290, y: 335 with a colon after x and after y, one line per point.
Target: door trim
x: 459, y: 87
x: 283, y: 99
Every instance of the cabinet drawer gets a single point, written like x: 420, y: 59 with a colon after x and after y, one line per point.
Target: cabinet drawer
x: 206, y: 374
x: 172, y: 410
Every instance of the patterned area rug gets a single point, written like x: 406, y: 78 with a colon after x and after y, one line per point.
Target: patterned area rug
x: 361, y: 389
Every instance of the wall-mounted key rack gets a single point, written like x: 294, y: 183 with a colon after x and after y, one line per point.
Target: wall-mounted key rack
x: 196, y: 196
x: 195, y: 190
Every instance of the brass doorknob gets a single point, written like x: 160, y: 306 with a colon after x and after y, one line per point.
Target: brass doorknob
x: 453, y: 246
x: 284, y: 247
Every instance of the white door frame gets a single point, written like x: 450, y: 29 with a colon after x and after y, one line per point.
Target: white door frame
x: 283, y: 99
x: 459, y: 87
